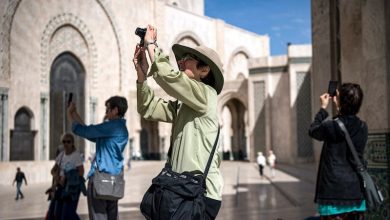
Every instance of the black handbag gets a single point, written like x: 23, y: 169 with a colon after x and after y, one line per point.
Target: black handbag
x: 177, y: 196
x: 372, y: 193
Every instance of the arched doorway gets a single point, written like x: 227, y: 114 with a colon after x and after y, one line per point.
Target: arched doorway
x: 149, y: 140
x: 234, y: 130
x: 67, y: 75
x: 22, y: 137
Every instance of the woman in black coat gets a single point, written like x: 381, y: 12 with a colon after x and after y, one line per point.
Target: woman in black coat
x: 339, y: 192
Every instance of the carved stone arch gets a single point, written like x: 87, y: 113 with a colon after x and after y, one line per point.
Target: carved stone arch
x: 235, y: 124
x: 230, y: 68
x: 225, y: 97
x: 22, y: 136
x: 24, y: 110
x: 242, y: 50
x: 190, y: 35
x: 56, y: 23
x: 5, y: 38
x: 67, y: 75
x: 105, y: 4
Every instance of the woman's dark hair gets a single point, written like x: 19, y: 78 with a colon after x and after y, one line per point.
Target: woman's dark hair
x: 351, y: 98
x: 209, y: 79
x: 120, y: 103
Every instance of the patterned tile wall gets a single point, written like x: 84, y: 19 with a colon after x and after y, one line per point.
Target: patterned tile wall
x: 376, y: 153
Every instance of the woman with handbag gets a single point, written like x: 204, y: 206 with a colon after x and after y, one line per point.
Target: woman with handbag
x: 193, y: 116
x: 68, y: 177
x: 339, y: 191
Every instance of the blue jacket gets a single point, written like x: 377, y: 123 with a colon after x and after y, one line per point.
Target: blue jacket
x: 111, y: 138
x: 74, y: 185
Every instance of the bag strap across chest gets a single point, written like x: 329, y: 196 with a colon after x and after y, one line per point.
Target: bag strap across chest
x: 206, y: 171
x: 360, y: 166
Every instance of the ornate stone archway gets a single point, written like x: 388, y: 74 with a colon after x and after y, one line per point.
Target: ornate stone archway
x: 55, y: 24
x: 234, y: 130
x: 67, y: 75
x: 22, y: 137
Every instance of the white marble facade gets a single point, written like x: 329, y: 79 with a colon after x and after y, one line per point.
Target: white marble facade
x: 100, y: 35
x: 257, y: 106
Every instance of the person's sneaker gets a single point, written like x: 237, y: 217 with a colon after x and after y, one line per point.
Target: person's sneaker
x: 16, y: 198
x: 21, y: 197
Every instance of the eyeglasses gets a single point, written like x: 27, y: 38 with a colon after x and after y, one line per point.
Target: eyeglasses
x: 189, y: 57
x: 66, y: 141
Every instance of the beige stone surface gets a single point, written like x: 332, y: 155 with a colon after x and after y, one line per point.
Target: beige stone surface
x: 138, y: 179
x: 279, y: 75
x: 101, y: 35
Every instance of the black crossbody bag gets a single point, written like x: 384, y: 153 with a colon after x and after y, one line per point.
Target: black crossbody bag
x: 372, y: 193
x: 175, y: 195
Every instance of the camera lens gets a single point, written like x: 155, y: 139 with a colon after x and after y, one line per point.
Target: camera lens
x: 141, y: 33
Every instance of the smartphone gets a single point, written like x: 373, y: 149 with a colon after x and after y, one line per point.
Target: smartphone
x: 332, y: 88
x: 70, y: 97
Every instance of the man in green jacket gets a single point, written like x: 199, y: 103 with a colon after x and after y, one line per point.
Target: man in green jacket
x: 195, y: 126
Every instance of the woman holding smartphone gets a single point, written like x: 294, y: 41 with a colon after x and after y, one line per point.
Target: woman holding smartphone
x: 339, y: 192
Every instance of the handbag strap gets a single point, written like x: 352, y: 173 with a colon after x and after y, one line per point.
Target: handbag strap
x: 360, y: 166
x: 94, y: 162
x: 62, y: 156
x: 176, y: 103
x: 211, y: 155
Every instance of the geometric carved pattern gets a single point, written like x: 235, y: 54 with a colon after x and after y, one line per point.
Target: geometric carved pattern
x: 5, y: 38
x: 303, y: 110
x: 377, y: 153
x: 58, y: 21
x: 105, y: 4
x: 66, y: 24
x: 67, y: 38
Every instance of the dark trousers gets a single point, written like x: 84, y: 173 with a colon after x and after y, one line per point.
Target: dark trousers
x: 66, y: 209
x: 212, y: 208
x: 345, y: 216
x: 50, y: 212
x: 100, y: 209
x: 261, y: 168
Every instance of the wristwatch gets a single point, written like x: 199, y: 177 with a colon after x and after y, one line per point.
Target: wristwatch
x: 148, y: 43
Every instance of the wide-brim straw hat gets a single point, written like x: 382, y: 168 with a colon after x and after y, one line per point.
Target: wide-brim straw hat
x: 208, y: 56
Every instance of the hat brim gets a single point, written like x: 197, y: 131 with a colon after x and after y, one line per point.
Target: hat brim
x: 180, y: 51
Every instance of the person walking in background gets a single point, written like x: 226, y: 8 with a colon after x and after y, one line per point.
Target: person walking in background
x: 271, y: 162
x: 111, y: 138
x: 19, y: 181
x: 193, y: 116
x: 261, y: 162
x: 339, y: 192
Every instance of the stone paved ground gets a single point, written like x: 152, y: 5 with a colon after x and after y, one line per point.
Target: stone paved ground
x: 288, y: 196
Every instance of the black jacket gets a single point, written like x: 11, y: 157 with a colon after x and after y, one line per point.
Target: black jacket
x: 337, y: 181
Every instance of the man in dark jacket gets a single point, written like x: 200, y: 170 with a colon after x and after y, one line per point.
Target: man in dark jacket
x: 19, y: 180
